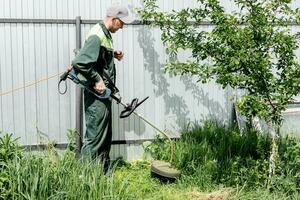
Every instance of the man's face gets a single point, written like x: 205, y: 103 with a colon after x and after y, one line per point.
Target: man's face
x: 116, y: 25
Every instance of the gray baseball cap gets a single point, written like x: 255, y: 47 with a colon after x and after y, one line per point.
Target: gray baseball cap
x: 120, y: 12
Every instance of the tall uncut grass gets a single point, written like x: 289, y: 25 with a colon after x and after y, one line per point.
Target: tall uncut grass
x: 212, y: 157
x: 214, y: 154
x: 49, y: 175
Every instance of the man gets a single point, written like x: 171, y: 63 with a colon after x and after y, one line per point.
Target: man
x: 96, y: 56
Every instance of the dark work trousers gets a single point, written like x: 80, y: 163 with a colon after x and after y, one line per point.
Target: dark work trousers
x: 98, y: 135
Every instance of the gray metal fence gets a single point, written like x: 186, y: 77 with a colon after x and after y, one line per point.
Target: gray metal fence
x: 38, y: 39
x: 35, y: 49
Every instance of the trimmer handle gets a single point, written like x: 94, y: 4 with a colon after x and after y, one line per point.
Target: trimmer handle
x: 64, y: 76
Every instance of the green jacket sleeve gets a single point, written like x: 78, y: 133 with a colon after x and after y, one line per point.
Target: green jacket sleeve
x: 87, y: 58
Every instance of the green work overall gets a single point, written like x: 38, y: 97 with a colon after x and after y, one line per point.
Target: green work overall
x: 96, y: 56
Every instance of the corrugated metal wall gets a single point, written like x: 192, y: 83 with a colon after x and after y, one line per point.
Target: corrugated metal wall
x: 30, y: 52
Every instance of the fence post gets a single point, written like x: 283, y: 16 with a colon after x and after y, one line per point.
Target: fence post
x: 79, y: 96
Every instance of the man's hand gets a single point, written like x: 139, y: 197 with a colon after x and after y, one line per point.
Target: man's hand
x: 100, y: 87
x: 118, y: 55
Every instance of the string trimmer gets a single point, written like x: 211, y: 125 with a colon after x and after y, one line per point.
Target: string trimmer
x: 159, y: 168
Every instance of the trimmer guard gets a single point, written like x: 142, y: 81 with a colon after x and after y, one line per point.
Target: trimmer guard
x: 129, y: 108
x: 163, y: 169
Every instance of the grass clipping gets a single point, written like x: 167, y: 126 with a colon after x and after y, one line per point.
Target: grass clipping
x: 216, y: 195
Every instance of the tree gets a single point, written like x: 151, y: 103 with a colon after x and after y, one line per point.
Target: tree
x: 252, y: 50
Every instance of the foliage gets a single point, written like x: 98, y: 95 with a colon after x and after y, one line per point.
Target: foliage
x: 50, y: 175
x: 215, y: 154
x: 252, y: 49
x: 9, y: 150
x: 288, y: 174
x: 72, y: 135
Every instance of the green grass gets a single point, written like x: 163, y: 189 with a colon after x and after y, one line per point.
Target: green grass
x: 51, y: 177
x: 217, y: 162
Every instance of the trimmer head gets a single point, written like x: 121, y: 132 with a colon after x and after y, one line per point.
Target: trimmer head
x: 164, y: 171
